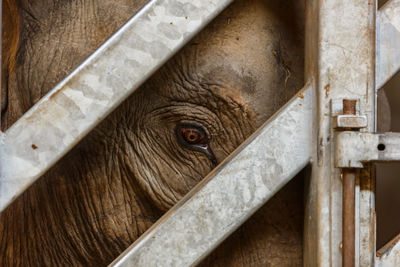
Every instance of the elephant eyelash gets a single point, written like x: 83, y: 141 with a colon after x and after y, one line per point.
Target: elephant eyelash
x: 191, y: 135
x: 195, y: 138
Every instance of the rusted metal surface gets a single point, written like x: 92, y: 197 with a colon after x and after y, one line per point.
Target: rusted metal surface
x: 348, y: 219
x: 231, y: 194
x: 387, y: 42
x: 389, y: 255
x: 348, y: 200
x: 340, y: 61
x: 76, y: 105
x: 349, y: 106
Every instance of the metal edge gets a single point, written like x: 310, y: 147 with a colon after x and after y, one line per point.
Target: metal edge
x: 387, y: 42
x: 389, y: 255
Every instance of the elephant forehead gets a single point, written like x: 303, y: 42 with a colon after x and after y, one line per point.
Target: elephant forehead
x: 225, y: 81
x: 252, y: 60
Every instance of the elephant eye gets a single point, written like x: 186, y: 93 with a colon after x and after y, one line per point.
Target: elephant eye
x: 196, y: 138
x: 192, y: 135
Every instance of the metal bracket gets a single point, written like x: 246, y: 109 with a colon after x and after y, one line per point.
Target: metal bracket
x: 350, y: 122
x: 355, y: 148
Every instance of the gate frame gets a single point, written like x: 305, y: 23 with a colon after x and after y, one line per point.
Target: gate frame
x: 340, y: 65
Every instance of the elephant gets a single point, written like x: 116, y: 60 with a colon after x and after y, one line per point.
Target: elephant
x: 167, y: 136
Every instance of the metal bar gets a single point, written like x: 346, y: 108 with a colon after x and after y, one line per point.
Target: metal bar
x: 63, y: 117
x: 354, y: 149
x: 76, y: 105
x: 387, y: 65
x: 231, y: 194
x: 350, y: 122
x: 348, y: 200
x: 348, y: 218
x: 387, y: 42
x: 340, y: 61
x: 389, y: 255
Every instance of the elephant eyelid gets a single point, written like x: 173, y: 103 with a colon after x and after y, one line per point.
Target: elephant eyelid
x: 195, y: 137
x: 192, y: 136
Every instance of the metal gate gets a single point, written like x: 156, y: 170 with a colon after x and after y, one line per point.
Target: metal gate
x: 352, y: 50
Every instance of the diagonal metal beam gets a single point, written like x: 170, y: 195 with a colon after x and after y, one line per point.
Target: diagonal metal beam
x: 224, y: 200
x: 64, y: 116
x: 231, y: 194
x: 387, y: 42
x: 389, y: 255
x: 76, y: 105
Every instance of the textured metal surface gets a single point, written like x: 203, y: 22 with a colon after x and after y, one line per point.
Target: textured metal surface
x: 389, y: 255
x: 350, y: 121
x: 231, y: 194
x: 340, y: 61
x: 261, y: 167
x: 65, y: 115
x: 354, y: 148
x: 387, y: 42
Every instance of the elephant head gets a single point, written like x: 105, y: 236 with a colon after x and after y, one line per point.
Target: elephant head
x: 144, y: 157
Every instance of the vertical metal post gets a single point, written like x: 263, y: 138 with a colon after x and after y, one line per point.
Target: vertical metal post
x: 349, y: 204
x: 340, y: 45
x: 348, y: 231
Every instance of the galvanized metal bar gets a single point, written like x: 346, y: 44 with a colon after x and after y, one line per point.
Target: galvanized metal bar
x: 387, y: 42
x: 62, y: 118
x: 127, y: 59
x: 340, y: 61
x: 389, y: 255
x: 231, y: 194
x: 354, y: 149
x: 76, y: 105
x: 350, y: 121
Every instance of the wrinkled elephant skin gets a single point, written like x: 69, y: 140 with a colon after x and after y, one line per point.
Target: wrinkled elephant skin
x: 159, y: 143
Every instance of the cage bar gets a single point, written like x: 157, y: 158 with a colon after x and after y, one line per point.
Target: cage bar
x: 76, y: 105
x: 230, y: 194
x: 340, y: 51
